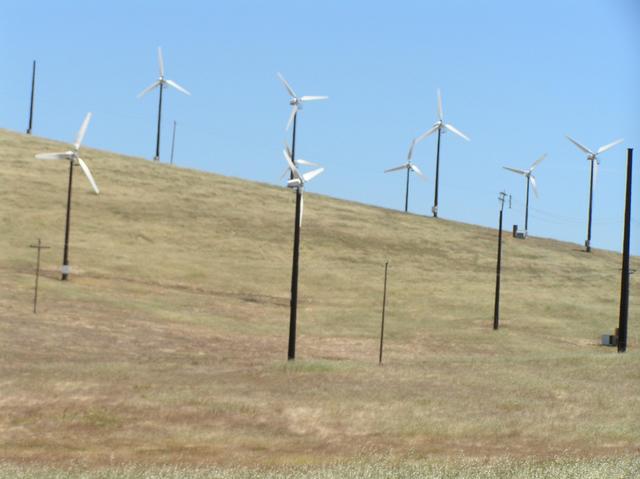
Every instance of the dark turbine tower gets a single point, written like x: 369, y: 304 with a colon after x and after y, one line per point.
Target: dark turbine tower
x: 161, y: 82
x: 73, y: 157
x: 593, y: 158
x: 296, y: 182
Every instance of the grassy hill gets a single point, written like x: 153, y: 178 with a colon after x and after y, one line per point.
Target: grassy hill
x: 168, y: 344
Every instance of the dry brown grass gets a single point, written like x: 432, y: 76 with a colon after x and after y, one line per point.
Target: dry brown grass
x: 168, y: 345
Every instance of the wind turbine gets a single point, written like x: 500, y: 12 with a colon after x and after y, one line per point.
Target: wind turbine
x: 593, y: 158
x: 296, y: 105
x: 409, y: 166
x: 161, y: 82
x: 528, y: 174
x: 74, y: 159
x: 441, y: 127
x: 297, y: 182
x: 299, y: 161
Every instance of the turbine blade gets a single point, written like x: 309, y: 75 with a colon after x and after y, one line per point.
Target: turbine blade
x: 312, y: 174
x: 292, y: 167
x: 285, y: 173
x: 582, y: 147
x: 300, y: 161
x: 67, y: 155
x: 410, y: 154
x: 515, y: 170
x: 176, y: 86
x: 148, y: 89
x: 537, y: 162
x: 287, y: 86
x: 301, y: 206
x: 82, y: 131
x: 440, y: 114
x: 533, y: 185
x: 604, y: 148
x: 396, y: 168
x: 87, y: 173
x: 417, y: 170
x: 160, y: 62
x: 456, y: 131
x: 294, y: 110
x: 312, y: 98
x: 427, y: 133
x: 595, y: 170
x: 286, y: 147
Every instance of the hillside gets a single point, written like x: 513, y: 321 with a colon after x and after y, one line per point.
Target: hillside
x: 168, y: 344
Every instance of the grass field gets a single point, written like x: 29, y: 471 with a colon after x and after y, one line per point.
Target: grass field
x: 167, y: 348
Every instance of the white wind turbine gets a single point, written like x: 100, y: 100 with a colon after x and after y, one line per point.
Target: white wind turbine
x: 298, y: 180
x: 73, y: 157
x: 593, y: 158
x: 161, y: 82
x: 409, y: 166
x: 299, y: 161
x: 441, y: 127
x: 528, y: 174
x: 296, y: 104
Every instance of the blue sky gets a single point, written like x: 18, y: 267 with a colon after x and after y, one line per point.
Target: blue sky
x: 515, y: 77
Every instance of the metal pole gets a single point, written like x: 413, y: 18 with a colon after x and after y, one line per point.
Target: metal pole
x: 35, y: 295
x: 291, y: 354
x: 526, y: 211
x: 406, y: 193
x: 65, y: 258
x: 157, y: 157
x: 434, y: 210
x: 173, y: 140
x: 33, y: 87
x: 496, y: 309
x: 624, y: 289
x: 587, y: 244
x: 384, y: 306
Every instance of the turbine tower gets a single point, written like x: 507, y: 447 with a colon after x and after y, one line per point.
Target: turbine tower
x: 593, y: 158
x: 74, y: 159
x: 296, y: 105
x: 441, y: 127
x: 161, y: 82
x: 409, y: 166
x: 528, y: 174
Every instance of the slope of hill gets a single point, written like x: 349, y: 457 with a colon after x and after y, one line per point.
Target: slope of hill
x: 168, y: 344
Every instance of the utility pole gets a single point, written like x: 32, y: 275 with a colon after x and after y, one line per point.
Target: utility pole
x: 173, y: 140
x: 384, y: 306
x: 496, y: 310
x: 33, y: 88
x: 624, y: 288
x: 39, y: 246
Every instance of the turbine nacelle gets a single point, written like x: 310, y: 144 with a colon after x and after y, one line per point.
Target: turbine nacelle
x: 295, y: 183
